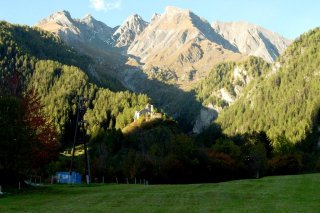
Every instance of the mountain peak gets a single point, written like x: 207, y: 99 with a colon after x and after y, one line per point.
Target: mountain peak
x: 59, y: 15
x: 155, y: 17
x: 65, y: 13
x: 134, y: 18
x: 87, y: 17
x: 87, y: 29
x: 251, y: 39
x: 135, y: 15
x: 90, y: 20
x: 130, y: 28
x: 189, y: 26
x: 90, y: 23
x: 57, y: 20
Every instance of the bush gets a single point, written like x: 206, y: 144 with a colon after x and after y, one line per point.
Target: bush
x: 285, y: 164
x: 221, y: 166
x: 228, y: 147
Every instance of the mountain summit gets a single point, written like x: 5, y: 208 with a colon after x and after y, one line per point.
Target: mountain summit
x: 62, y: 24
x: 129, y: 30
x: 252, y: 40
x: 87, y: 30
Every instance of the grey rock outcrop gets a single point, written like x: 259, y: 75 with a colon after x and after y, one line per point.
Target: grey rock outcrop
x: 179, y: 40
x: 127, y: 32
x: 87, y: 30
x: 205, y: 118
x: 252, y: 40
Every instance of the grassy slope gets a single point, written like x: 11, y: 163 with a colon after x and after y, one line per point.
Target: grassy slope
x: 271, y: 194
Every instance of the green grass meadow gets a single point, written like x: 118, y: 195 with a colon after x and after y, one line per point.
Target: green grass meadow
x: 300, y: 193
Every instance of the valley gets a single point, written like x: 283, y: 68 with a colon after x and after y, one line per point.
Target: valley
x: 166, y: 57
x: 229, y: 100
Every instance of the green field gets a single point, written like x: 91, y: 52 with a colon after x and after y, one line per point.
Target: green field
x: 299, y: 193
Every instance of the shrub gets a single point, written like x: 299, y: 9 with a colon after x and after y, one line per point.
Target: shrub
x: 221, y: 166
x: 285, y: 164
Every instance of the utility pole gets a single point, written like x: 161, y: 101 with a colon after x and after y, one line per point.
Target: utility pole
x: 81, y: 109
x: 75, y: 137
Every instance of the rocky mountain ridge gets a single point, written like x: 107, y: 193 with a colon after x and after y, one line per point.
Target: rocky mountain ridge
x: 133, y: 26
x: 85, y: 30
x: 178, y: 35
x: 253, y: 40
x: 182, y: 44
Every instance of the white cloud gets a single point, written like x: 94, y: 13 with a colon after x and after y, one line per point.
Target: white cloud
x: 105, y: 5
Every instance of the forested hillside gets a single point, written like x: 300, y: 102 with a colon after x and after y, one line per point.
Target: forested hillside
x: 226, y: 82
x: 285, y: 104
x: 57, y: 74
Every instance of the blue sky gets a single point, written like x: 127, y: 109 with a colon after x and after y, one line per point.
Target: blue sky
x: 290, y: 18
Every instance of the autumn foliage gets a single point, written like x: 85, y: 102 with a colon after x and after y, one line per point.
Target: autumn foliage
x: 28, y: 142
x: 45, y: 145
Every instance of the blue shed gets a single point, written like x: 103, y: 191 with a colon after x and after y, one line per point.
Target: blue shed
x: 66, y: 177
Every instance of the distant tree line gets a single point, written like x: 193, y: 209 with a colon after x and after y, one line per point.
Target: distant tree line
x: 160, y: 152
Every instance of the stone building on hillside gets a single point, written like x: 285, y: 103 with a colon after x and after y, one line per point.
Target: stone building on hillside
x: 148, y: 111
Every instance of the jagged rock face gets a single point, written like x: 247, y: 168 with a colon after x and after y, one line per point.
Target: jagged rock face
x: 252, y: 40
x: 155, y: 17
x: 95, y: 30
x: 89, y: 37
x: 127, y: 32
x: 205, y: 118
x: 174, y: 29
x: 61, y: 24
x: 87, y: 30
x: 180, y: 41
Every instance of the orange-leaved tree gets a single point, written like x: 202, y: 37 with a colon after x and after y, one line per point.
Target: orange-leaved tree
x: 44, y: 147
